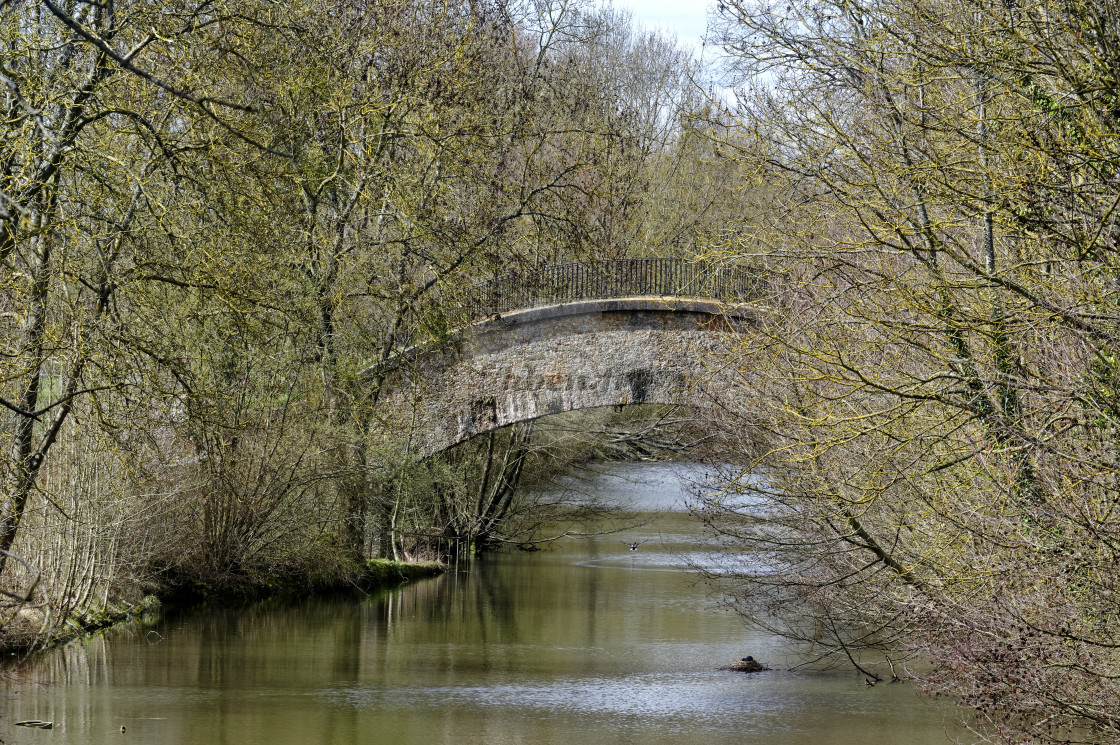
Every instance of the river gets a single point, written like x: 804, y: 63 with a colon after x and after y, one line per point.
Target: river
x: 587, y: 642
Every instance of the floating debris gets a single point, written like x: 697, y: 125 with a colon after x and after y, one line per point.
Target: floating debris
x: 35, y: 723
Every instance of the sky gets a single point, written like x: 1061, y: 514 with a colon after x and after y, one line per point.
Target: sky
x: 687, y: 18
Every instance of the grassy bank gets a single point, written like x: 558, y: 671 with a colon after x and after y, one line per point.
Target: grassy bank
x: 384, y: 572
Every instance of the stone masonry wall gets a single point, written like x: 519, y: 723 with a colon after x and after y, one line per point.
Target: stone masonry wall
x: 542, y: 361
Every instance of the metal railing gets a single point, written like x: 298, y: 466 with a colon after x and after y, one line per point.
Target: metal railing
x: 558, y: 283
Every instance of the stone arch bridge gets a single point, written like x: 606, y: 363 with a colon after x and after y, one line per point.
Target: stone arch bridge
x: 568, y: 337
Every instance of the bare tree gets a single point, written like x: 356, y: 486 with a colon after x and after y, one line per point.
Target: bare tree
x: 936, y: 390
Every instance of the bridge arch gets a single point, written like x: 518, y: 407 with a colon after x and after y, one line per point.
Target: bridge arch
x: 522, y: 365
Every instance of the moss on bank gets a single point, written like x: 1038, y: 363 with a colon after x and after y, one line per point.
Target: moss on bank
x: 27, y: 630
x: 382, y: 572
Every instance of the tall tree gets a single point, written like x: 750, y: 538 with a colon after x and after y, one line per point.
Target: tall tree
x: 943, y: 418
x: 99, y: 102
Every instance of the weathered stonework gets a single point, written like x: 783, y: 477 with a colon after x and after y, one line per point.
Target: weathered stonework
x: 548, y: 360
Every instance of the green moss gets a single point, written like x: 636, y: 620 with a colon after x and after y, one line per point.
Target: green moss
x: 386, y: 572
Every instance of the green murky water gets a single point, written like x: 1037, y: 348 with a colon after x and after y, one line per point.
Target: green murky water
x: 586, y: 643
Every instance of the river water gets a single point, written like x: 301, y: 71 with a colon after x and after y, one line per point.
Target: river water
x: 587, y: 642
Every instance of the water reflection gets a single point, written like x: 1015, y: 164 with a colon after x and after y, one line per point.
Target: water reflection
x: 589, y: 642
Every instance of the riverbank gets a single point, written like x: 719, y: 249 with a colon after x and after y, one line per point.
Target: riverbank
x: 29, y: 630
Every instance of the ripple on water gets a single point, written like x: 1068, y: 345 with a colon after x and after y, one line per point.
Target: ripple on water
x: 771, y: 703
x: 711, y: 562
x: 651, y: 697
